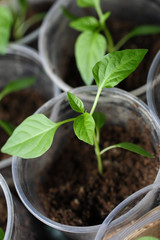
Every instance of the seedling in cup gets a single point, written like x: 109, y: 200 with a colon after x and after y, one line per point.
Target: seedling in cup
x: 38, y: 131
x: 95, y: 38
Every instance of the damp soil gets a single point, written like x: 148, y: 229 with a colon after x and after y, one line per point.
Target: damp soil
x: 76, y: 194
x: 119, y: 29
x: 3, y: 213
x: 15, y: 107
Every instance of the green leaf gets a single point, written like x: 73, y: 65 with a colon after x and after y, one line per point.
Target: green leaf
x: 85, y: 24
x: 32, y: 137
x: 67, y: 14
x: 90, y: 47
x: 131, y: 147
x: 144, y: 30
x: 99, y: 119
x: 75, y: 103
x: 6, y: 21
x: 23, y: 5
x: 1, y: 234
x: 147, y: 238
x: 7, y: 127
x: 116, y: 66
x: 87, y: 3
x: 17, y: 85
x: 84, y: 127
x: 105, y: 16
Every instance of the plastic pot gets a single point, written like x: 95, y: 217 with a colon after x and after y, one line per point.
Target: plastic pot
x: 124, y: 223
x: 121, y: 106
x: 153, y: 87
x: 20, y: 62
x: 56, y: 39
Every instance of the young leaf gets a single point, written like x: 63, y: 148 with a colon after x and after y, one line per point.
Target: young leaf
x: 69, y: 15
x: 87, y: 3
x: 85, y: 24
x: 131, y: 147
x: 84, y: 127
x: 7, y: 127
x: 17, y: 85
x: 99, y: 119
x: 147, y: 238
x: 105, y: 16
x: 1, y: 234
x: 32, y: 137
x: 75, y: 103
x: 6, y: 21
x: 144, y: 30
x: 116, y: 66
x: 90, y: 47
x: 138, y: 31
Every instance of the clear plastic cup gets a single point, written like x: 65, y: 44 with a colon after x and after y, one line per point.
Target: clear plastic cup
x: 119, y: 108
x: 133, y: 219
x: 153, y: 87
x: 20, y: 62
x: 56, y: 38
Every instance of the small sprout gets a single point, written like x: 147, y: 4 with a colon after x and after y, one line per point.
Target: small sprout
x: 34, y: 136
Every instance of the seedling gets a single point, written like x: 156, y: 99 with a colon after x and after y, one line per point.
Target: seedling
x: 13, y: 20
x: 1, y: 234
x: 95, y: 38
x: 14, y: 86
x: 34, y: 136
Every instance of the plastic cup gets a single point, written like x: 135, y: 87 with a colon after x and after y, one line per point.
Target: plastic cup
x: 124, y: 223
x: 119, y: 107
x: 153, y: 87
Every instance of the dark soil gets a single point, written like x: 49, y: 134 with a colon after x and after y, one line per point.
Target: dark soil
x: 119, y: 29
x: 75, y: 193
x: 15, y: 107
x: 3, y: 213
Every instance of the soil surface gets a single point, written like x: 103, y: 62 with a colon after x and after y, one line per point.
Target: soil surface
x: 75, y: 193
x: 15, y: 107
x: 119, y: 29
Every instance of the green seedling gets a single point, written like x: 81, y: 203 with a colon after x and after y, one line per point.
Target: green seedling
x: 95, y: 38
x: 148, y: 238
x: 34, y: 135
x: 1, y: 234
x: 13, y: 21
x: 14, y: 86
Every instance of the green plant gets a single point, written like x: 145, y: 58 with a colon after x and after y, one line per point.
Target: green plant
x: 13, y: 21
x: 148, y: 238
x: 95, y: 38
x: 35, y: 135
x: 13, y: 86
x: 1, y: 234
